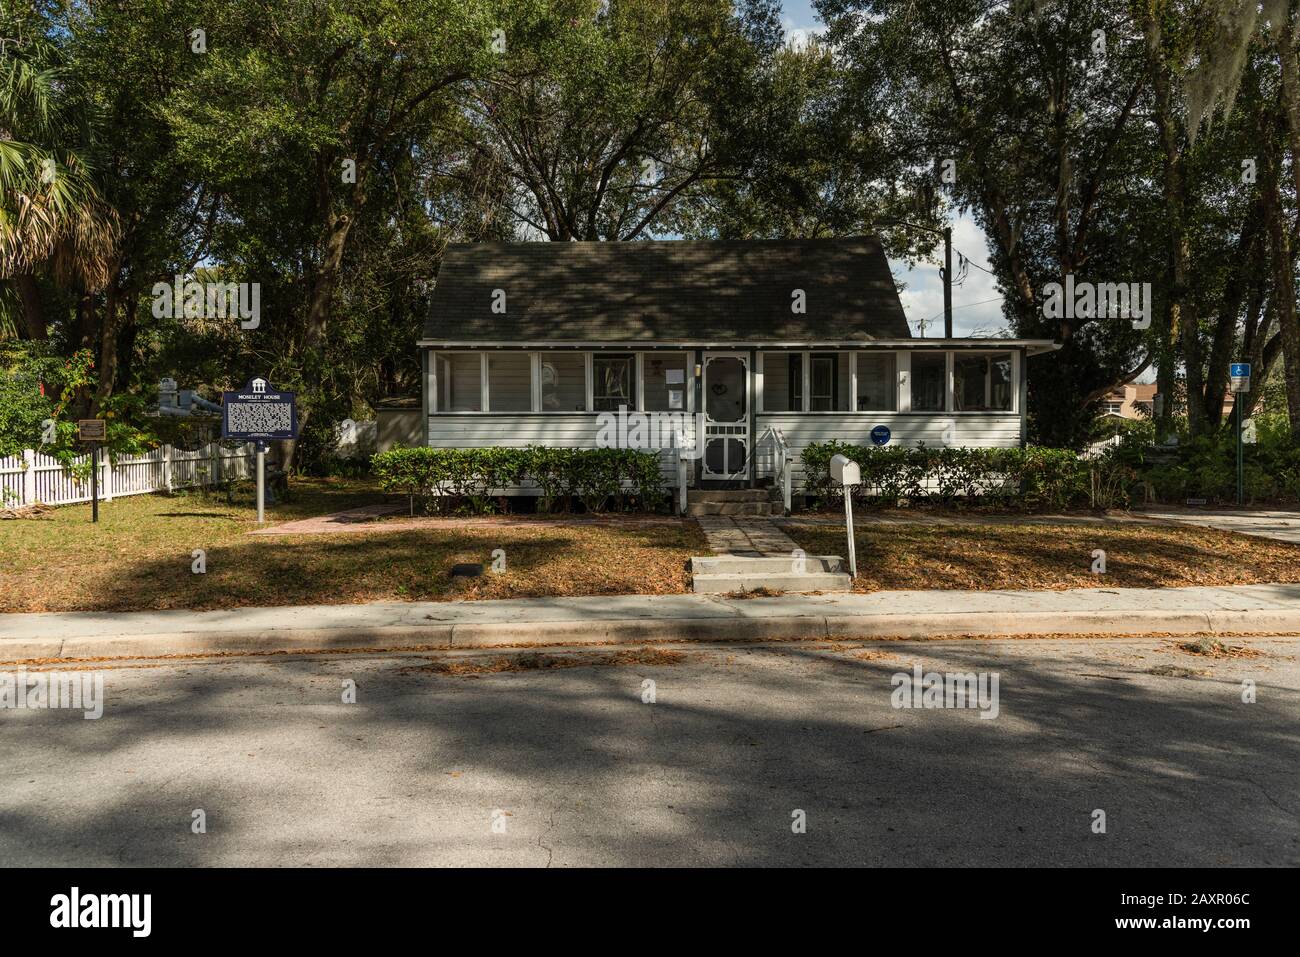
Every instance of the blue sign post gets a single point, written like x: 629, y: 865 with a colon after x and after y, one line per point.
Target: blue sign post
x: 1239, y: 377
x: 259, y: 413
x: 880, y: 435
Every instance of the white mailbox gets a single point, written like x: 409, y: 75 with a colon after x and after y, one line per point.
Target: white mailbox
x: 845, y: 471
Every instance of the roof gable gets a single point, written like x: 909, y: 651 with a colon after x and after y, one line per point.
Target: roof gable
x: 666, y: 291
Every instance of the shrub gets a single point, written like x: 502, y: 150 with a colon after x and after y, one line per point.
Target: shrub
x: 463, y: 478
x: 1130, y: 473
x: 891, y: 475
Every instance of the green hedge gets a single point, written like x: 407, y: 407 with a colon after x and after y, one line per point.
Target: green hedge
x: 1028, y: 478
x: 462, y: 478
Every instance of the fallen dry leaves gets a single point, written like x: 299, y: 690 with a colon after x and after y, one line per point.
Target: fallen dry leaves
x: 986, y: 557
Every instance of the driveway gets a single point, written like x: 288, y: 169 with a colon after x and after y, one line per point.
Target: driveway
x: 1281, y: 525
x: 562, y: 767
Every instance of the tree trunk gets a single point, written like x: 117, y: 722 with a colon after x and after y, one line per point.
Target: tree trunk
x: 318, y: 315
x: 1181, y: 321
x: 1283, y: 295
x: 107, y: 351
x: 1283, y: 271
x: 29, y: 295
x: 1245, y: 259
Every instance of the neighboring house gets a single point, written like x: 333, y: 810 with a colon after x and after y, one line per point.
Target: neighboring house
x: 1137, y: 401
x: 1131, y: 401
x: 739, y: 341
x: 399, y: 421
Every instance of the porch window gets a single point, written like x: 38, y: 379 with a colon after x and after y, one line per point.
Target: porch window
x: 664, y: 389
x: 460, y: 379
x: 613, y: 382
x: 776, y: 381
x: 795, y: 382
x: 877, y: 382
x: 982, y: 383
x: 510, y: 382
x: 824, y: 371
x: 929, y: 381
x: 564, y: 382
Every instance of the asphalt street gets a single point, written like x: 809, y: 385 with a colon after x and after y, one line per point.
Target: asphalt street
x: 574, y: 766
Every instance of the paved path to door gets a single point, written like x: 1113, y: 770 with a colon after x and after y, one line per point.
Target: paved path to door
x: 746, y: 537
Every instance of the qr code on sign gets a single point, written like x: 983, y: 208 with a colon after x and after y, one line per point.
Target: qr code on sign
x: 253, y: 419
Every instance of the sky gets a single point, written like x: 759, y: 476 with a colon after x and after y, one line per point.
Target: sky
x: 976, y: 303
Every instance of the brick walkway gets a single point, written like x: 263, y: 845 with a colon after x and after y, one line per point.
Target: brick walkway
x: 745, y: 537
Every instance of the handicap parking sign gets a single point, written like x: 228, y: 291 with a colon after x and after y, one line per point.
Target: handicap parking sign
x: 1239, y: 374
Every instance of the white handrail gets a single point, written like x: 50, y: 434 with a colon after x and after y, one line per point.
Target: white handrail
x: 783, y: 469
x: 682, y: 460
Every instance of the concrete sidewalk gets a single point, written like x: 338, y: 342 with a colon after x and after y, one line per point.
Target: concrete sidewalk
x: 631, y: 619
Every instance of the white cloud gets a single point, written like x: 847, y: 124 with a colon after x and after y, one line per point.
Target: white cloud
x: 798, y: 38
x: 976, y: 303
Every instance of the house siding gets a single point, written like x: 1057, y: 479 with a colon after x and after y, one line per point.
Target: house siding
x: 578, y: 431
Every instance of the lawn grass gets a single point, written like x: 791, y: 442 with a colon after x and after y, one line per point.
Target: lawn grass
x: 986, y: 557
x: 139, y: 557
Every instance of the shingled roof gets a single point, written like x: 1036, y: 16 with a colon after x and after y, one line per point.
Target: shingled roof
x: 666, y: 291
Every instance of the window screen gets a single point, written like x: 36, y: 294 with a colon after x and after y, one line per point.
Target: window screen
x: 929, y: 381
x: 877, y: 382
x: 510, y: 382
x: 564, y: 382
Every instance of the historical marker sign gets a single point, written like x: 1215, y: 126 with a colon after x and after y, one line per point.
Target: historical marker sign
x: 92, y: 430
x: 258, y: 412
x: 880, y: 435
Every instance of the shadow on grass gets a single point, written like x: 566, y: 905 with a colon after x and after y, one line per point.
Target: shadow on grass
x: 955, y: 557
x: 397, y: 566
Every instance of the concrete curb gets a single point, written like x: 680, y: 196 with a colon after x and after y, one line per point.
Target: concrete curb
x: 626, y: 631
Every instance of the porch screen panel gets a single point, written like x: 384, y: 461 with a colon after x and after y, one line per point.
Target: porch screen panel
x: 460, y: 374
x: 510, y: 382
x: 564, y: 382
x: 929, y: 381
x: 776, y: 381
x: 844, y: 383
x: 665, y: 382
x: 982, y: 383
x: 1000, y: 390
x: 824, y: 373
x: 613, y: 382
x: 877, y: 383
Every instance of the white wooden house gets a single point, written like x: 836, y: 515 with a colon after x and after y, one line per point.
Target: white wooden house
x: 756, y: 346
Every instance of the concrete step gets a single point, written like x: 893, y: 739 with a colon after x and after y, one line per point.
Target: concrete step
x: 727, y: 495
x: 732, y: 508
x: 772, y: 565
x: 725, y: 584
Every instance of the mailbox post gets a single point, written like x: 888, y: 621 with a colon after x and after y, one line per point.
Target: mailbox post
x: 846, y: 472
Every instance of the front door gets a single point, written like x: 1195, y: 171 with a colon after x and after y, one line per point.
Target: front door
x: 726, y: 416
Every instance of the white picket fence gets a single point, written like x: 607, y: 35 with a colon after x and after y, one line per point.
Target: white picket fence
x: 33, y: 477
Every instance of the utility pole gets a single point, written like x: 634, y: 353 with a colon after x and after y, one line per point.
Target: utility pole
x: 946, y: 232
x: 947, y: 282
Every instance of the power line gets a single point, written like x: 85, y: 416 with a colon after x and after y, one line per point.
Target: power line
x: 965, y: 306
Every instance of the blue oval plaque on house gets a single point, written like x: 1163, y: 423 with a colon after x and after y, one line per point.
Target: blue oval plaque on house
x: 880, y: 435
